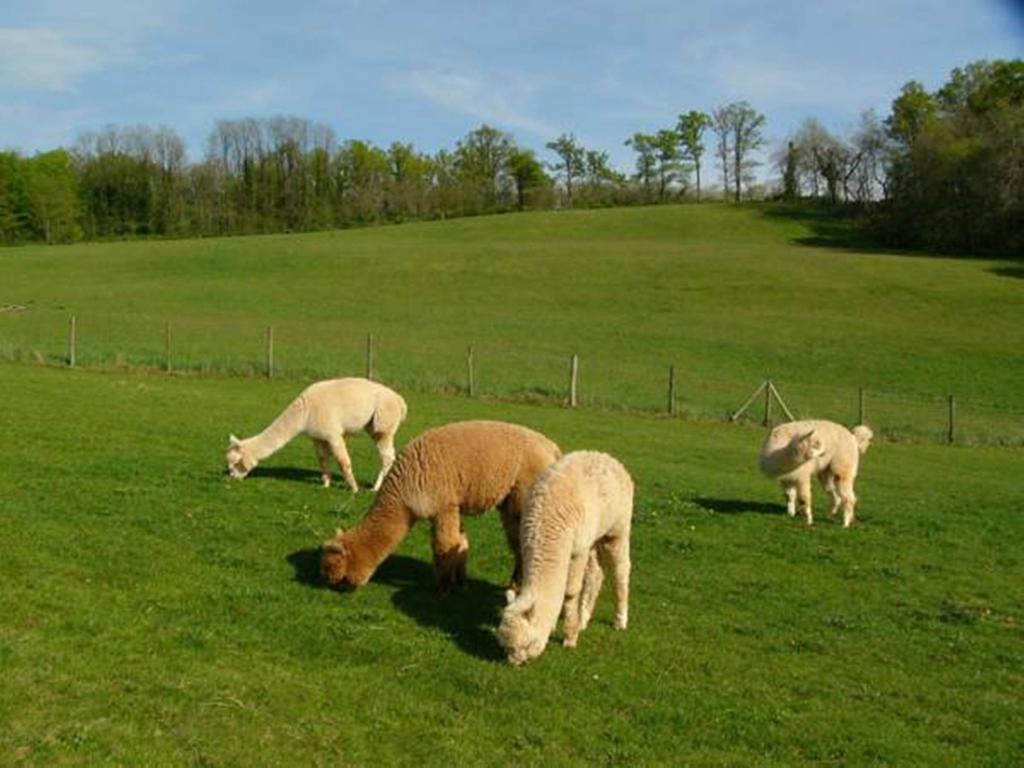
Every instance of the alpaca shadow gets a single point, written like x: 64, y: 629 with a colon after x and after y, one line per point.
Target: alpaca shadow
x: 288, y: 473
x: 1009, y: 270
x: 739, y: 506
x: 468, y: 616
x: 306, y: 563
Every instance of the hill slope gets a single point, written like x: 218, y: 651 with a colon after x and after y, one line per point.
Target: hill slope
x: 727, y: 294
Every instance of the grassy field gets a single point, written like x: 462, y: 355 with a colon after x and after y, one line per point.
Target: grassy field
x: 727, y: 294
x: 152, y: 612
x: 155, y: 613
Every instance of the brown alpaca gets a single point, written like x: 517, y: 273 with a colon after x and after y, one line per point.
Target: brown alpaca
x: 457, y: 469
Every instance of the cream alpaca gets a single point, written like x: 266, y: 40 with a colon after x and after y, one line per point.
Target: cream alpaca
x: 796, y: 452
x: 577, y: 520
x: 461, y: 468
x: 326, y: 412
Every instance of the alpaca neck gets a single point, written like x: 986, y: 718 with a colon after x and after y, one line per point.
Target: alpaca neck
x: 781, y: 461
x: 281, y: 430
x: 378, y: 535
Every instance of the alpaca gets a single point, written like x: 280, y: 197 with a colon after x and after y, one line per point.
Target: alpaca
x: 800, y: 450
x: 576, y: 522
x: 458, y: 469
x: 327, y: 411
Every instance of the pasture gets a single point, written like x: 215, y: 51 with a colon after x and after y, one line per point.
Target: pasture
x: 155, y: 612
x: 729, y: 295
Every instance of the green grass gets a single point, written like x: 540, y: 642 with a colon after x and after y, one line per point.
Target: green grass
x: 727, y: 294
x: 155, y: 613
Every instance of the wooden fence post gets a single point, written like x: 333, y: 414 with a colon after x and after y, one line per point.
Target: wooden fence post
x: 952, y: 420
x: 671, y: 390
x: 768, y: 402
x: 469, y: 372
x: 72, y: 342
x: 574, y: 370
x: 369, y: 356
x: 270, y: 351
x: 167, y: 347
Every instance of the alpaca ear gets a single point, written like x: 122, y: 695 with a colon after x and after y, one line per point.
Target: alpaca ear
x: 233, y: 441
x: 808, y: 435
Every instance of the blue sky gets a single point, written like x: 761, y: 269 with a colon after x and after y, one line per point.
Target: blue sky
x: 429, y: 72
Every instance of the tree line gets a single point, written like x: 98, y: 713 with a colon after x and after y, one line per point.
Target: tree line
x: 943, y: 171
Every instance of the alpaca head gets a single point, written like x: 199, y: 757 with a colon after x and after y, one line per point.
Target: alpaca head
x: 336, y: 563
x: 806, y: 447
x: 239, y: 459
x: 518, y: 634
x: 863, y: 435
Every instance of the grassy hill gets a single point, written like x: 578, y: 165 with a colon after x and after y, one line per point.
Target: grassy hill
x: 727, y: 294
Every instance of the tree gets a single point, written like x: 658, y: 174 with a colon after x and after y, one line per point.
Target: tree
x: 527, y: 174
x: 740, y: 129
x: 666, y: 152
x: 720, y: 124
x: 52, y: 197
x: 646, y: 161
x: 482, y: 162
x: 691, y: 129
x: 571, y: 163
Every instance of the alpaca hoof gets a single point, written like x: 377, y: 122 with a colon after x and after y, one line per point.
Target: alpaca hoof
x: 619, y: 624
x: 569, y: 642
x: 510, y: 596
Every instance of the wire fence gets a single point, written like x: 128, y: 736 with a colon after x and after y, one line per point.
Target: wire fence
x: 538, y: 371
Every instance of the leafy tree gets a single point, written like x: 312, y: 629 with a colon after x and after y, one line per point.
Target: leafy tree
x: 740, y: 128
x: 666, y: 151
x: 571, y: 162
x: 482, y: 161
x: 645, y: 146
x: 691, y: 128
x: 527, y: 175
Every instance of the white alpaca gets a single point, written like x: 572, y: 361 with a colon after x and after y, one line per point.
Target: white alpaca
x: 577, y: 521
x: 796, y: 452
x: 326, y: 412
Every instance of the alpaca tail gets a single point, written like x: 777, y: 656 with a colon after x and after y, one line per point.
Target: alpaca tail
x: 863, y: 436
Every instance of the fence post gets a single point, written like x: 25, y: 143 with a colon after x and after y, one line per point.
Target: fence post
x: 167, y: 347
x: 369, y: 356
x: 469, y: 372
x: 574, y: 370
x: 952, y: 420
x: 768, y: 402
x: 270, y: 351
x: 72, y: 342
x: 671, y: 390
x: 860, y: 406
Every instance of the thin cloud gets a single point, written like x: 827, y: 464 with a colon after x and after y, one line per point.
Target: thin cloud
x: 474, y: 96
x: 43, y: 58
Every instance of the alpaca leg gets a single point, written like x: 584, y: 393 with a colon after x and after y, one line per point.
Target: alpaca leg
x: 828, y: 482
x: 571, y: 607
x: 614, y: 553
x: 386, y: 449
x: 323, y: 455
x: 592, y: 581
x: 803, y: 491
x: 510, y: 519
x: 790, y: 491
x: 340, y: 451
x: 451, y: 549
x: 849, y: 499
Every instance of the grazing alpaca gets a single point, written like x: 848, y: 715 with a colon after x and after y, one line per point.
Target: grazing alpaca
x: 577, y: 520
x: 453, y: 470
x: 796, y: 452
x: 327, y: 411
